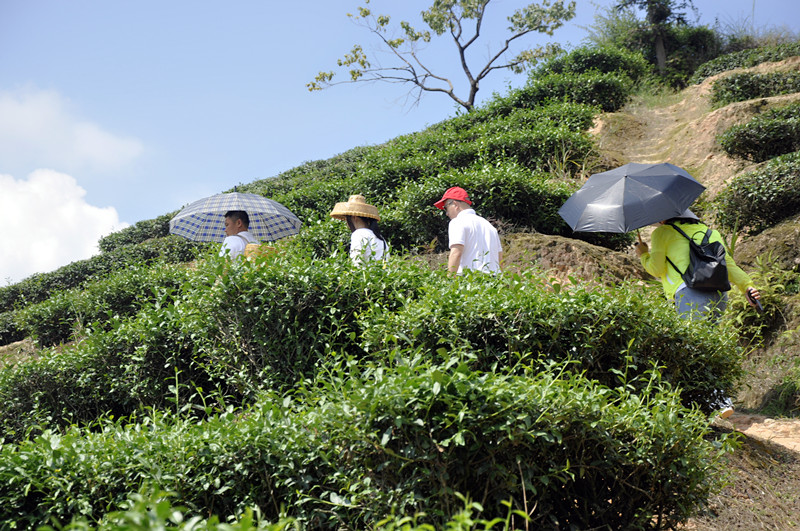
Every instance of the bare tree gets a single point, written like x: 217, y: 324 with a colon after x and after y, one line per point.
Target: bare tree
x: 461, y: 20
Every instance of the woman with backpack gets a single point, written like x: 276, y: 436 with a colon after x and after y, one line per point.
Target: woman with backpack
x: 670, y: 260
x: 695, y: 274
x: 366, y: 241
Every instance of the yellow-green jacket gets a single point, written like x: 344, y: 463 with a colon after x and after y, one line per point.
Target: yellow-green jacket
x: 666, y: 242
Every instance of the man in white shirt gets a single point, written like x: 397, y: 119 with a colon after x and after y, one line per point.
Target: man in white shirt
x: 473, y: 241
x: 237, y: 236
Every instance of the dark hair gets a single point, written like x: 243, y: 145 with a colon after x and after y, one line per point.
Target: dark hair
x: 372, y: 224
x: 238, y: 214
x: 683, y: 220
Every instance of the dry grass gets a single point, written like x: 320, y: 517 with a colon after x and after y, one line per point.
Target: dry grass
x: 14, y: 353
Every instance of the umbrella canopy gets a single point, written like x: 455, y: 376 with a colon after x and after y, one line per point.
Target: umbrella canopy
x: 204, y: 220
x: 630, y: 197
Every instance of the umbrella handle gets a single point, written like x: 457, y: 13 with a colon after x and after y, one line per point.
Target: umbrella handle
x: 639, y: 236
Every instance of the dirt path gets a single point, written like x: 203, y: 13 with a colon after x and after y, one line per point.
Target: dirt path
x: 784, y: 432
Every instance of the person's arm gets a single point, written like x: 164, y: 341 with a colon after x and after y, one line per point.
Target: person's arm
x: 741, y: 280
x: 454, y: 260
x: 654, y: 260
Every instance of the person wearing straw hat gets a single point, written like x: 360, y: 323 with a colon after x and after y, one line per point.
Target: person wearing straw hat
x: 473, y: 241
x: 237, y: 235
x: 366, y: 241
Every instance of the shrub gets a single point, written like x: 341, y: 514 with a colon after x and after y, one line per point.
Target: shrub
x: 603, y: 59
x: 744, y: 59
x: 235, y: 329
x: 498, y: 318
x: 141, y: 231
x: 773, y: 133
x: 9, y: 331
x: 741, y: 87
x: 354, y: 449
x: 608, y: 92
x: 38, y: 287
x: 69, y: 312
x: 335, y: 168
x: 762, y: 198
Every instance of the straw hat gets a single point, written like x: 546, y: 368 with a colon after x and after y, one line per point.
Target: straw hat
x: 355, y: 206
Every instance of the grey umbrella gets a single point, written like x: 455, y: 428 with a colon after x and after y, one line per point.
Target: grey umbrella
x: 630, y: 197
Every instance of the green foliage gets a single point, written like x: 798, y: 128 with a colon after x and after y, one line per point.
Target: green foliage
x: 67, y: 313
x: 504, y: 192
x: 351, y: 448
x: 744, y: 59
x: 155, y: 511
x: 605, y: 59
x: 141, y: 231
x: 773, y: 133
x: 9, y: 331
x: 686, y: 46
x: 762, y: 198
x: 497, y: 320
x: 38, y: 287
x: 741, y: 87
x: 689, y: 47
x: 773, y: 284
x: 335, y: 168
x: 234, y: 329
x: 608, y: 92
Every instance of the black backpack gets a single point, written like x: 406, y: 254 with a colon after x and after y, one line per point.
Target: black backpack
x: 707, y: 269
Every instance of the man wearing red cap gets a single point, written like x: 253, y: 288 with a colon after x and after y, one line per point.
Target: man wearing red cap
x: 474, y: 243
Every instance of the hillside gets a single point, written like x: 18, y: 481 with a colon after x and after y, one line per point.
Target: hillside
x: 683, y: 130
x: 336, y: 395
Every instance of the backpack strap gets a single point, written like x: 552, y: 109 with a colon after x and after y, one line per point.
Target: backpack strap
x: 691, y: 241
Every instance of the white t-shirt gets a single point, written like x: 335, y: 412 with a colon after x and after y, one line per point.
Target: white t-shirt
x: 480, y: 240
x: 365, y: 246
x: 235, y: 244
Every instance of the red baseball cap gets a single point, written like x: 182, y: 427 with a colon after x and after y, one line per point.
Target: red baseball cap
x: 457, y: 193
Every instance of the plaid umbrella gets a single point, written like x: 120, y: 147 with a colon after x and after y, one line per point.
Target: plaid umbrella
x: 204, y: 220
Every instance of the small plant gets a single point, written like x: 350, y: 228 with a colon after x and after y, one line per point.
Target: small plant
x: 773, y: 133
x: 762, y: 198
x: 741, y: 87
x: 745, y: 58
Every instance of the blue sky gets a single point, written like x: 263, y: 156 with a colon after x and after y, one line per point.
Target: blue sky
x: 114, y: 112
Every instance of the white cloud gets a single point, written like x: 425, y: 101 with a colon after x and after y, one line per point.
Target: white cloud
x: 48, y: 224
x: 37, y: 130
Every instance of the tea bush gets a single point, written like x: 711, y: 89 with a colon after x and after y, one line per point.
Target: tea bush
x: 335, y: 168
x: 9, y: 331
x: 508, y: 192
x: 744, y: 59
x: 68, y: 312
x: 759, y: 199
x: 141, y: 231
x: 599, y: 59
x: 773, y: 133
x: 608, y: 92
x: 40, y: 286
x: 351, y: 448
x: 497, y: 319
x: 235, y: 329
x: 741, y: 87
x: 575, y: 116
